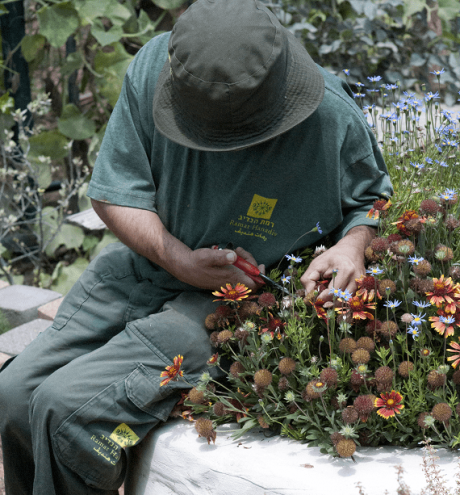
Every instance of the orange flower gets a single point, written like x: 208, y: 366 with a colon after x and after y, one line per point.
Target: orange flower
x: 379, y: 205
x: 232, y: 294
x: 456, y: 353
x: 320, y: 311
x: 358, y: 307
x: 367, y: 287
x: 443, y: 323
x: 389, y: 403
x: 402, y: 220
x: 213, y: 360
x: 172, y: 372
x: 444, y: 292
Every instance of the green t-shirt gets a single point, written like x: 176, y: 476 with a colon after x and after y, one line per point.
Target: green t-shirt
x: 327, y: 169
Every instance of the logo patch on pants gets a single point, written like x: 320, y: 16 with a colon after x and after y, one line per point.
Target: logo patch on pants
x: 124, y: 436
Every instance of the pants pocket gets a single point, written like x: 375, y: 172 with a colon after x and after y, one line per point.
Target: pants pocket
x: 92, y: 441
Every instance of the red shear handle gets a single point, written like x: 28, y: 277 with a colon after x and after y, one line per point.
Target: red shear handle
x: 248, y: 268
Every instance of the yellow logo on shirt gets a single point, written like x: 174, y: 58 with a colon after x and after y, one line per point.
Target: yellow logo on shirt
x: 261, y: 207
x: 124, y: 436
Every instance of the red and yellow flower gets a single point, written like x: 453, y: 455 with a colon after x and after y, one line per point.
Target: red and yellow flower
x: 444, y: 292
x: 389, y: 404
x: 359, y: 308
x: 172, y: 373
x: 213, y: 360
x: 319, y: 308
x: 368, y: 288
x: 455, y: 353
x: 232, y: 294
x: 381, y: 205
x: 442, y: 327
x: 403, y: 219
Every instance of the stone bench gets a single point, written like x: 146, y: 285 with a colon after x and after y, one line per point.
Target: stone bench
x: 172, y: 460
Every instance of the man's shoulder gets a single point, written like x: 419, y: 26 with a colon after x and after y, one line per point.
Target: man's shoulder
x: 149, y: 60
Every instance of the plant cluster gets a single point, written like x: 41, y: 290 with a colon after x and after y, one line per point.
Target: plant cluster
x: 370, y: 368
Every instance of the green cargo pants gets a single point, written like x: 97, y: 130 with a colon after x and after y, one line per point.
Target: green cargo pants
x: 88, y: 387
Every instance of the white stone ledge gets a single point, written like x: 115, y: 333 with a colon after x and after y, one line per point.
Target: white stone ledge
x: 172, y: 460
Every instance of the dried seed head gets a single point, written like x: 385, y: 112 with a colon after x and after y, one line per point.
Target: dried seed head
x: 456, y: 377
x: 224, y: 336
x: 388, y: 329
x: 211, y: 321
x: 267, y: 300
x: 429, y: 207
x: 283, y: 383
x: 443, y: 253
x: 387, y: 286
x: 435, y: 379
x: 454, y: 273
x: 371, y: 255
x: 405, y: 368
x: 330, y: 376
x: 214, y: 338
x: 414, y: 226
x: 196, y: 396
x: 223, y: 311
x: 311, y: 391
x: 360, y: 356
x: 336, y: 437
x: 422, y: 269
x: 356, y: 380
x: 364, y: 405
x: 365, y: 343
x: 452, y: 223
x: 405, y: 248
x: 286, y: 366
x: 345, y: 448
x: 384, y: 374
x: 242, y: 335
x: 205, y: 429
x: 380, y: 244
x: 347, y: 345
x: 248, y: 309
x: 422, y: 286
x: 350, y: 415
x: 263, y: 378
x: 372, y: 327
x: 236, y: 368
x: 219, y: 409
x: 441, y: 412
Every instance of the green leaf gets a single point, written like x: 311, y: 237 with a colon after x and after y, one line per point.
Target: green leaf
x: 109, y: 238
x: 90, y: 9
x: 43, y: 171
x: 70, y: 236
x: 168, y: 4
x: 448, y: 9
x: 84, y: 203
x: 72, y: 63
x: 48, y: 143
x: 74, y: 124
x: 31, y: 44
x: 117, y: 13
x: 6, y: 103
x: 104, y: 38
x: 58, y: 22
x: 411, y: 7
x: 66, y: 276
x: 89, y: 243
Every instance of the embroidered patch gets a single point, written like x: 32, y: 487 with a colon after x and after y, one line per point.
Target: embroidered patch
x: 124, y: 436
x: 261, y: 207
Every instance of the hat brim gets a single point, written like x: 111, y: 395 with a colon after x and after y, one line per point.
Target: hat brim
x: 304, y: 91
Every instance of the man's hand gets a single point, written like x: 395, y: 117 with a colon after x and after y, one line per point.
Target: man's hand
x: 212, y: 268
x: 347, y: 257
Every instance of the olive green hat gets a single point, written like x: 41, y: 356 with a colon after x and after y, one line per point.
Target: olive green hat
x: 234, y: 77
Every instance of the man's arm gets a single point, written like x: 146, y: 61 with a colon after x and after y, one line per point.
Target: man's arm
x: 144, y: 232
x: 347, y: 257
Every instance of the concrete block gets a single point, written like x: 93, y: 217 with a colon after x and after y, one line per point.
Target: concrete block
x: 20, y: 303
x: 172, y: 460
x: 3, y: 284
x: 48, y: 311
x: 16, y: 340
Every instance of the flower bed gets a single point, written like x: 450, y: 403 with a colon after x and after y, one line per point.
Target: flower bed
x: 376, y: 367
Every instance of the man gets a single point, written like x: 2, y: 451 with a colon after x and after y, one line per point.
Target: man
x: 250, y: 142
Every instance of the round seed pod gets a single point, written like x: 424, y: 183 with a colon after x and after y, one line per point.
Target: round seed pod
x: 346, y: 448
x: 383, y: 387
x: 330, y: 376
x: 210, y: 321
x: 424, y: 286
x: 267, y: 300
x: 405, y: 248
x: 441, y: 412
x: 421, y: 420
x: 454, y: 273
x: 310, y: 391
x: 456, y: 377
x: 435, y: 379
x: 387, y: 286
x: 364, y: 405
x: 350, y: 415
x: 283, y: 384
x: 219, y: 409
x: 347, y: 345
x: 214, y: 338
x: 360, y: 356
x: 380, y: 244
x: 422, y: 269
x: 373, y: 327
x: 429, y: 207
x: 365, y: 343
x: 205, y: 429
x: 384, y: 374
x: 405, y: 368
x: 196, y: 396
x: 242, y: 335
x: 248, y: 309
x: 224, y: 336
x: 356, y: 380
x: 236, y: 368
x: 336, y: 437
x: 388, y: 329
x: 286, y: 366
x: 263, y: 378
x: 371, y: 255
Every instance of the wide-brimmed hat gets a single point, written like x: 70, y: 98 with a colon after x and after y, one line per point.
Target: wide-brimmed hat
x: 234, y: 77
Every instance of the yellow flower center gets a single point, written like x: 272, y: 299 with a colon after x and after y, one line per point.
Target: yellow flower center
x: 390, y: 402
x: 319, y: 384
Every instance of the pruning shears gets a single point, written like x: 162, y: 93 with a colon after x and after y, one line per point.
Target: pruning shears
x: 252, y: 271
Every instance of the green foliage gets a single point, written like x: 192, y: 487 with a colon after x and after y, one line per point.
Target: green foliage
x: 4, y: 324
